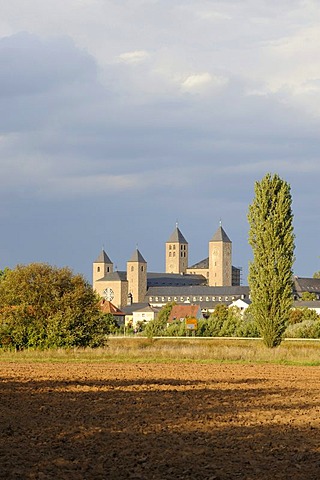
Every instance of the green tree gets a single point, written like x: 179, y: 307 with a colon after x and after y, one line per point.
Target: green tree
x: 270, y: 273
x: 316, y: 274
x: 3, y: 273
x: 308, y: 296
x: 44, y: 306
x: 158, y: 326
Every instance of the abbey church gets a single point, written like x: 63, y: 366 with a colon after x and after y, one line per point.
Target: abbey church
x: 208, y: 282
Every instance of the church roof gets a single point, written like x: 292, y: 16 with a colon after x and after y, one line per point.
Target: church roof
x: 103, y: 258
x: 202, y: 264
x: 114, y: 277
x: 220, y: 236
x: 174, y: 279
x: 177, y: 237
x: 203, y: 290
x: 137, y: 257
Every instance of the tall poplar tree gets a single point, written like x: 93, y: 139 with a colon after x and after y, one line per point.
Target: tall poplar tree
x: 270, y: 273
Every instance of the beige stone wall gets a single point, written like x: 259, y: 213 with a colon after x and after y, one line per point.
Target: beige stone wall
x: 199, y: 271
x: 220, y: 264
x: 137, y: 280
x: 100, y: 270
x: 119, y: 288
x: 176, y: 257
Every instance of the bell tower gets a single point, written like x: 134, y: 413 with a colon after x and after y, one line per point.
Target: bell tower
x: 102, y: 266
x: 220, y: 259
x: 137, y: 277
x: 176, y: 253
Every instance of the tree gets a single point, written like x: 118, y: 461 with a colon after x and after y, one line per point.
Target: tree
x: 316, y: 274
x: 270, y: 273
x: 308, y: 296
x: 44, y: 306
x: 158, y: 326
x: 3, y: 273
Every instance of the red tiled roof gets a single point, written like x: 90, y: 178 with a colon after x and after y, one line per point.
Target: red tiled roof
x: 183, y: 311
x: 108, y: 307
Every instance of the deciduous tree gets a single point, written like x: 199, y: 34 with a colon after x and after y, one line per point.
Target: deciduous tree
x: 45, y: 306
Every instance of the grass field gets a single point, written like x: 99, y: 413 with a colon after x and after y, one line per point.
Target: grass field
x: 180, y: 350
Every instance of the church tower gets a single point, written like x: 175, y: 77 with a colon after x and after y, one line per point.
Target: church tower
x: 220, y: 259
x: 137, y: 277
x: 101, y: 267
x: 176, y: 253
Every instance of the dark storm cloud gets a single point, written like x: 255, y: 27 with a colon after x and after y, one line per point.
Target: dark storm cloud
x: 175, y: 120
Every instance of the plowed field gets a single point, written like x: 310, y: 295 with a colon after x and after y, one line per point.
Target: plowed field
x: 149, y: 421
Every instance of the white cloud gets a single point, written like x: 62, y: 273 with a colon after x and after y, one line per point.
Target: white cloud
x: 135, y: 57
x: 200, y: 81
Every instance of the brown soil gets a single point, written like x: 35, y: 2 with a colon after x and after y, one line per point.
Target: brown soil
x: 112, y: 421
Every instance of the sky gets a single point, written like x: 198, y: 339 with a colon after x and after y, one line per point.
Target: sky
x: 120, y: 118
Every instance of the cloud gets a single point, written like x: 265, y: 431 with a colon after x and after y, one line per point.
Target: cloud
x: 198, y: 82
x: 160, y: 109
x: 135, y: 57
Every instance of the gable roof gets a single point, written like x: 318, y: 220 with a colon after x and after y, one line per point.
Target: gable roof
x: 103, y: 258
x: 148, y: 308
x: 108, y: 307
x: 114, y: 277
x: 134, y: 307
x: 137, y: 257
x: 184, y: 311
x: 203, y: 264
x: 220, y: 236
x: 177, y: 237
x: 311, y: 285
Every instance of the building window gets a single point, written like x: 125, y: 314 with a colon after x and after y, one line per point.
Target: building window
x: 141, y: 268
x: 181, y: 299
x: 132, y: 269
x: 173, y: 247
x: 169, y: 254
x: 150, y: 299
x: 108, y: 269
x: 170, y: 247
x: 98, y: 269
x: 174, y: 254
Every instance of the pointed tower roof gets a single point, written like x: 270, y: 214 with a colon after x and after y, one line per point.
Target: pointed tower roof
x: 103, y: 258
x: 137, y: 257
x: 177, y: 237
x: 220, y: 236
